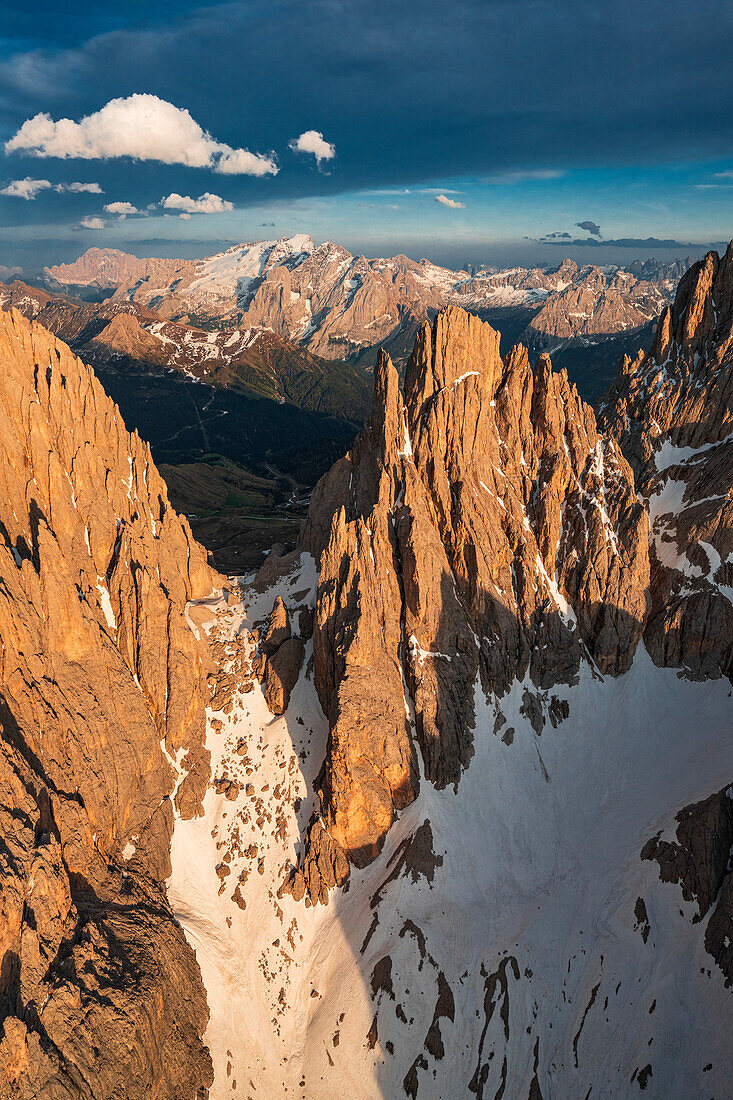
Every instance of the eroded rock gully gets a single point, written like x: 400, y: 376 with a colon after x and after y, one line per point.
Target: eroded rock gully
x: 481, y: 524
x: 102, y: 711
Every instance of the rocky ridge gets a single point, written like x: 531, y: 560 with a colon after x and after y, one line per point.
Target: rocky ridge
x: 343, y: 306
x: 101, y: 270
x: 102, y: 712
x: 480, y: 525
x: 253, y: 360
x: 672, y: 412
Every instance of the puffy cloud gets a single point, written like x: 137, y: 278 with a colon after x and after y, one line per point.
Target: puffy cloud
x: 240, y: 162
x: 141, y: 126
x: 313, y: 142
x: 91, y: 222
x: 121, y: 208
x: 454, y: 204
x: 25, y: 189
x: 204, y: 204
x: 590, y: 227
x: 8, y: 272
x: 80, y: 188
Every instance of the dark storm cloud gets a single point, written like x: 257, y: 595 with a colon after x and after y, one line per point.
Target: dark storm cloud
x: 590, y: 227
x: 387, y: 90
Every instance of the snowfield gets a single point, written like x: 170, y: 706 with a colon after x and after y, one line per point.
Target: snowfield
x: 497, y: 951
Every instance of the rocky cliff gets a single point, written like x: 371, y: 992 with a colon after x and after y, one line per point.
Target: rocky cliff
x: 672, y: 413
x: 102, y: 714
x: 481, y: 524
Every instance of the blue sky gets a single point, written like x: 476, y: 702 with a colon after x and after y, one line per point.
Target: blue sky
x: 464, y: 132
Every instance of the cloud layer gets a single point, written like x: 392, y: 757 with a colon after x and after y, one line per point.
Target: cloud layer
x: 143, y: 127
x: 80, y: 188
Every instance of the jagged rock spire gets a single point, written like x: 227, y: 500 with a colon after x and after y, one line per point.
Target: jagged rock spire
x: 672, y: 413
x: 480, y: 526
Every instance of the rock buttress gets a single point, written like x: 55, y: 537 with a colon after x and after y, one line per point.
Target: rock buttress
x: 102, y: 683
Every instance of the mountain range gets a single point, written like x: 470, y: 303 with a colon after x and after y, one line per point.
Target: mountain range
x: 342, y: 306
x: 437, y: 802
x: 261, y: 356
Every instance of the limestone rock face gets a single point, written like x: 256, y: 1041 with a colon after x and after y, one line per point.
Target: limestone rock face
x: 672, y: 412
x: 278, y: 628
x: 102, y: 689
x: 325, y: 866
x: 479, y: 525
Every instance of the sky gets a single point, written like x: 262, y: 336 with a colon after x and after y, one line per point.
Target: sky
x: 491, y: 132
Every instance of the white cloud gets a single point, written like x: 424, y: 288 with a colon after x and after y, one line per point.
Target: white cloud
x: 30, y: 188
x: 8, y: 272
x: 80, y: 188
x: 141, y: 126
x: 204, y: 204
x: 240, y: 162
x: 453, y: 203
x: 120, y: 208
x: 91, y: 222
x: 25, y: 189
x: 313, y: 142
